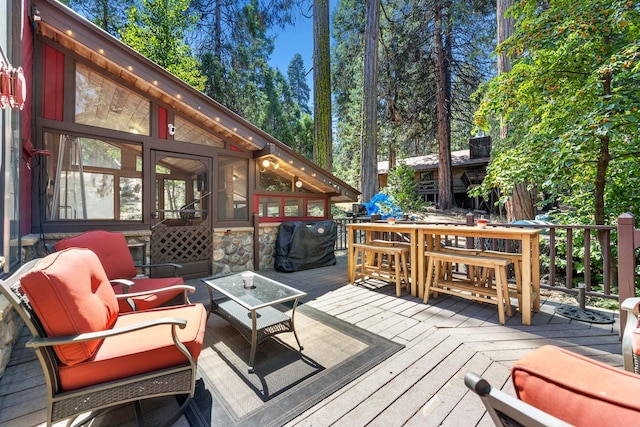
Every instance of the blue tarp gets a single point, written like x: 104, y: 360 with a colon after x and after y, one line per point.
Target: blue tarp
x: 382, y: 205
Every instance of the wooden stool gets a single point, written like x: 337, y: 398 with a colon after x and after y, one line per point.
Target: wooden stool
x: 436, y: 282
x: 387, y: 262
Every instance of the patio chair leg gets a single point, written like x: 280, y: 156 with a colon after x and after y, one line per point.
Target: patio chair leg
x: 138, y: 410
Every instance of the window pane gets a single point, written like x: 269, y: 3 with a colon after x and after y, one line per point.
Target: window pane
x: 188, y: 132
x: 85, y: 196
x: 103, y: 103
x: 232, y: 188
x: 315, y: 208
x: 175, y: 197
x: 269, y: 206
x: 130, y: 198
x: 270, y: 180
x: 92, y: 179
x: 292, y: 207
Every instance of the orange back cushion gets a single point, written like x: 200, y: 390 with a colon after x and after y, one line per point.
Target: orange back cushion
x: 111, y: 248
x: 70, y: 293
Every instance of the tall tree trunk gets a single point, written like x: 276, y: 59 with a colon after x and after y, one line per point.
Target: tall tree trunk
x: 604, y: 157
x: 446, y: 199
x: 322, y: 130
x: 369, y: 145
x: 521, y: 204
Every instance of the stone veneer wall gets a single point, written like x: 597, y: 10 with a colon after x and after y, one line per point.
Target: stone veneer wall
x: 232, y: 252
x: 233, y: 249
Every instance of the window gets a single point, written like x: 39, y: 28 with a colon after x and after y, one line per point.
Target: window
x: 92, y: 179
x: 281, y: 208
x: 232, y: 188
x: 316, y: 208
x: 188, y: 132
x: 103, y: 103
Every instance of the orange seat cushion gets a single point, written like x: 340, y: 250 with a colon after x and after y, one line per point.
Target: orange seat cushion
x: 141, y: 351
x: 71, y: 294
x: 150, y: 284
x: 576, y: 389
x: 111, y: 248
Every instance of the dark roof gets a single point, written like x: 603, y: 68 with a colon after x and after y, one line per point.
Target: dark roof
x: 430, y: 162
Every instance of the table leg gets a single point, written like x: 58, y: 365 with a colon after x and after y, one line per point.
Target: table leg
x: 293, y: 326
x: 351, y: 261
x: 254, y: 339
x: 535, y: 271
x: 526, y: 281
x: 415, y: 268
x: 419, y: 263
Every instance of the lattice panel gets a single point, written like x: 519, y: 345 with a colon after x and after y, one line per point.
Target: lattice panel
x: 181, y: 244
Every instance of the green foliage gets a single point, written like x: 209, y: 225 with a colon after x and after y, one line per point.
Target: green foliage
x: 571, y: 101
x: 156, y: 29
x: 401, y: 189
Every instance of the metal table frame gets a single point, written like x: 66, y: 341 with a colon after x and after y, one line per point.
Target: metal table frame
x: 252, y: 311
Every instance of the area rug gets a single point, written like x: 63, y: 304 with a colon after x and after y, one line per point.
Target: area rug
x: 286, y: 382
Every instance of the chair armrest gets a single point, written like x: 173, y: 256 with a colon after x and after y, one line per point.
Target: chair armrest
x: 500, y: 405
x: 630, y: 305
x: 72, y: 339
x: 126, y: 284
x: 174, y: 265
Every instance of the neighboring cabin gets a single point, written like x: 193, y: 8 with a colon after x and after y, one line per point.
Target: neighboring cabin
x: 469, y: 169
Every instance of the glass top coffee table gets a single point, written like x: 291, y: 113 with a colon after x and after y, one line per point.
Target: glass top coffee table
x: 252, y: 311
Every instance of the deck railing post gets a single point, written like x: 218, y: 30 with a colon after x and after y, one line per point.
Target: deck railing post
x: 627, y: 243
x: 471, y: 221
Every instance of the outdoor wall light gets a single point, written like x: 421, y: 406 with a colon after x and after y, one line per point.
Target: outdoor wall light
x: 298, y: 184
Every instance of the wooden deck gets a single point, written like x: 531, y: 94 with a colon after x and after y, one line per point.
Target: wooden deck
x: 420, y: 385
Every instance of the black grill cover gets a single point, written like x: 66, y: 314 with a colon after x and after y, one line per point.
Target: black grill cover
x: 305, y: 245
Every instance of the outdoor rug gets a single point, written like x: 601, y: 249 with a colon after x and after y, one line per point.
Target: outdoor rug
x: 286, y: 382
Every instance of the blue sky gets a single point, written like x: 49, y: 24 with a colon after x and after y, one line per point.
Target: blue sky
x: 297, y: 39
x: 292, y: 40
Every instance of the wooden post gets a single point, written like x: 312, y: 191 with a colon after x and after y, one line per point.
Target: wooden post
x: 628, y: 241
x: 256, y: 242
x: 471, y: 221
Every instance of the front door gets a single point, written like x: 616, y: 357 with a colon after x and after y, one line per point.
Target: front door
x: 181, y: 213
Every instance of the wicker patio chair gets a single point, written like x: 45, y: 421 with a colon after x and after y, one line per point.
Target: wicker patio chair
x: 95, y: 358
x: 114, y: 254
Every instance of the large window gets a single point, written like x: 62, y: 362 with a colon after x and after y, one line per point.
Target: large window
x: 93, y: 179
x: 103, y: 103
x: 188, y: 132
x: 232, y: 188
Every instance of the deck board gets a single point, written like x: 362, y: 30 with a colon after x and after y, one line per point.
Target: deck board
x: 422, y: 384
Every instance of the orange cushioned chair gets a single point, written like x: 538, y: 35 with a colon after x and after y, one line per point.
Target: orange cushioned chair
x: 568, y: 388
x: 93, y: 356
x: 114, y: 254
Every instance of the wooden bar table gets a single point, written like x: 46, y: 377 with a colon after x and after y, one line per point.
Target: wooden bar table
x: 369, y: 229
x: 428, y: 238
